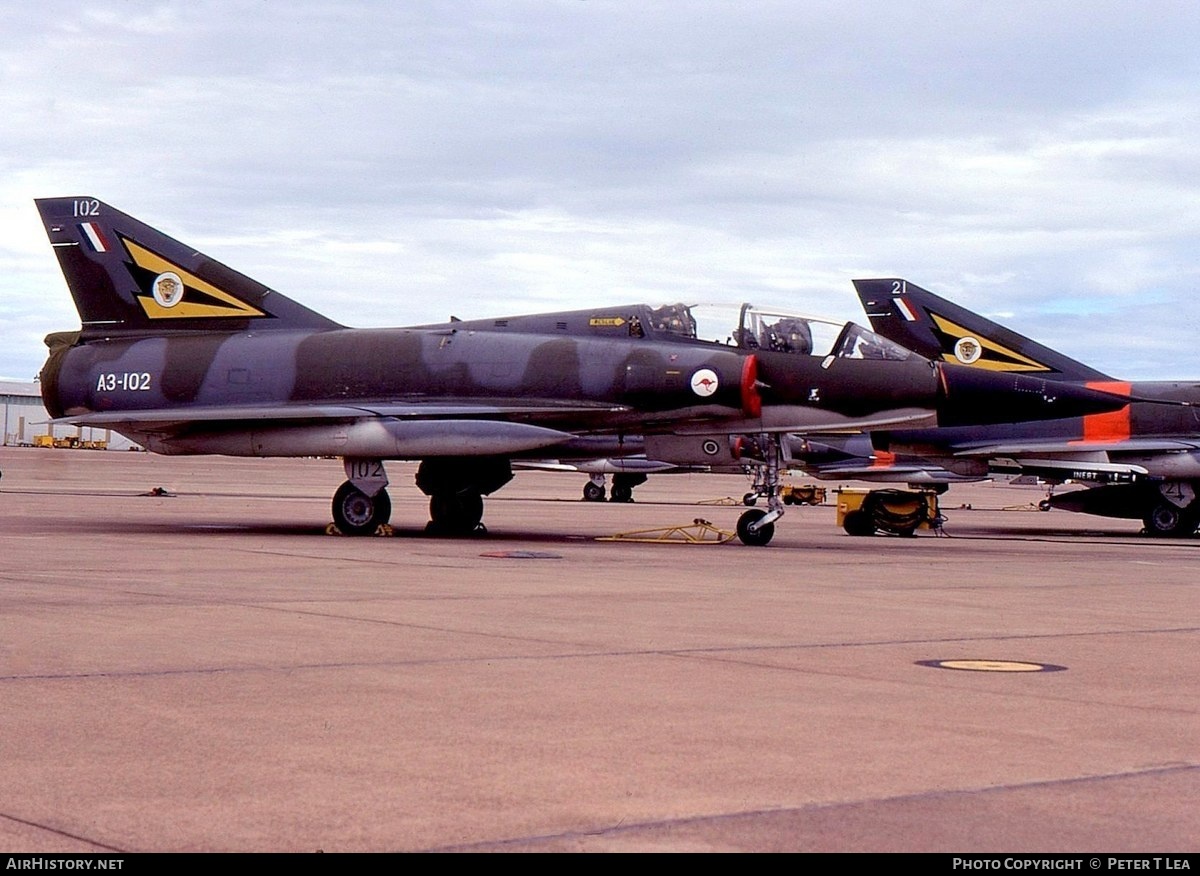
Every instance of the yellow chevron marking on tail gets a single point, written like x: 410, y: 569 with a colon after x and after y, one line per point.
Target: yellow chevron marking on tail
x: 991, y: 356
x: 185, y: 309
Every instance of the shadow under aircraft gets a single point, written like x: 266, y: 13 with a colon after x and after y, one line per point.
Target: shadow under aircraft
x: 184, y: 355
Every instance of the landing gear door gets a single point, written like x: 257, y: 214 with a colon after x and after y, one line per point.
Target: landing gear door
x: 366, y: 474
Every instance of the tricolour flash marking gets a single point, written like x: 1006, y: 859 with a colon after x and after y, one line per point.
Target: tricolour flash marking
x: 94, y: 236
x: 906, y: 310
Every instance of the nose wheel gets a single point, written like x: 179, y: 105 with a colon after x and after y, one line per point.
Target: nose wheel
x: 752, y: 531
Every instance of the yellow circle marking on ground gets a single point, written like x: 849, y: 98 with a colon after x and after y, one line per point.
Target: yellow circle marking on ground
x: 992, y: 665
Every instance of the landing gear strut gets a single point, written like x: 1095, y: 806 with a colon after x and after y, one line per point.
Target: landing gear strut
x: 1047, y: 503
x: 756, y: 527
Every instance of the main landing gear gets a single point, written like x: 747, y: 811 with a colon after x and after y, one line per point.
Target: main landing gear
x: 594, y: 490
x: 455, y: 488
x: 1171, y: 510
x: 623, y: 484
x: 356, y: 513
x: 1165, y: 519
x: 756, y: 527
x: 622, y: 487
x: 361, y: 505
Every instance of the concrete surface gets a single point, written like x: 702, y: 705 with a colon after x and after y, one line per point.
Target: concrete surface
x: 209, y: 671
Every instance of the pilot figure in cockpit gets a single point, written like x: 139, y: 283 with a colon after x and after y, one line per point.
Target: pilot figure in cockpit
x: 789, y: 335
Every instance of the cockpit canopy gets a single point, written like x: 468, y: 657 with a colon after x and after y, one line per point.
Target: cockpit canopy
x: 757, y: 329
x: 747, y: 327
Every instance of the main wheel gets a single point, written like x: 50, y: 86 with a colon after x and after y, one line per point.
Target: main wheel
x: 758, y: 537
x: 455, y: 513
x: 622, y: 493
x: 1165, y: 519
x: 356, y: 513
x: 593, y: 492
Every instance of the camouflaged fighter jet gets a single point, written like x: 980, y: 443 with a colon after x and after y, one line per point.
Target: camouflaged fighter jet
x: 1139, y: 462
x: 187, y: 356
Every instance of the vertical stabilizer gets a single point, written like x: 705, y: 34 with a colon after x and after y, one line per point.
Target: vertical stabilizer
x: 129, y: 278
x: 941, y: 330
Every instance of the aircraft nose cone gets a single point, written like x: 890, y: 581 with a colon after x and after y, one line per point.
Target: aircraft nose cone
x: 973, y: 396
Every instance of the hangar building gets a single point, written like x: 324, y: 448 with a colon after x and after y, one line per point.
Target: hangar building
x: 25, y: 423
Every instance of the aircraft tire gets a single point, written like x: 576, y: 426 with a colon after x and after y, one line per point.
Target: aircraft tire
x: 622, y: 493
x: 593, y: 492
x: 758, y: 538
x: 1167, y: 520
x: 356, y: 513
x: 455, y: 514
x: 749, y: 498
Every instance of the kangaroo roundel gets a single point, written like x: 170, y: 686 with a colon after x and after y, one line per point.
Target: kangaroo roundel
x: 705, y: 382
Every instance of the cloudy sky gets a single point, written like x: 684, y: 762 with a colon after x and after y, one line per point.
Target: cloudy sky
x: 393, y: 163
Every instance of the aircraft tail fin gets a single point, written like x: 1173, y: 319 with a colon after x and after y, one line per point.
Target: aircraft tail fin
x: 941, y: 330
x: 129, y: 278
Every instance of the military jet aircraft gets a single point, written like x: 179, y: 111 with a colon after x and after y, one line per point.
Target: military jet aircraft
x: 1139, y: 462
x: 184, y: 355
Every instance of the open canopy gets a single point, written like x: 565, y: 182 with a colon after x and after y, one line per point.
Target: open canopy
x: 753, y: 328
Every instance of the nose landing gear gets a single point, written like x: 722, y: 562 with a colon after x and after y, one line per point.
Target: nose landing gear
x: 756, y: 527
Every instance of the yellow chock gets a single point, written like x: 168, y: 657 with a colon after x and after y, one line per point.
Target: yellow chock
x: 697, y: 532
x: 382, y: 530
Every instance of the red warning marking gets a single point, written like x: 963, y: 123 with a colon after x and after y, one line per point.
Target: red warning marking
x: 1113, y: 425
